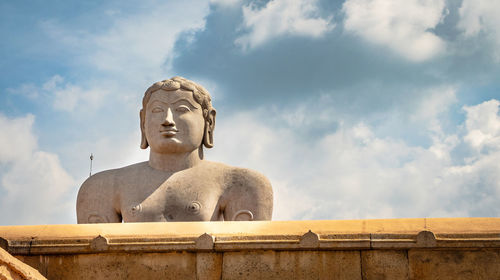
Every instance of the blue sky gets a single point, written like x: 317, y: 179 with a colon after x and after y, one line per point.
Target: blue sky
x: 353, y: 109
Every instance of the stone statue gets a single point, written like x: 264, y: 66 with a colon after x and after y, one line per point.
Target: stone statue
x: 176, y: 184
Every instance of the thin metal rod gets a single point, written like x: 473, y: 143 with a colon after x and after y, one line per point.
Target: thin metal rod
x: 91, y: 158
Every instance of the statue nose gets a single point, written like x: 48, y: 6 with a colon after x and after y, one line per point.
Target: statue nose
x: 169, y: 119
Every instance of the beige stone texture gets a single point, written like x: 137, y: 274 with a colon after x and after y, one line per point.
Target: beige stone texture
x: 384, y: 264
x: 453, y: 248
x: 454, y: 264
x: 13, y: 268
x: 176, y: 183
x: 291, y: 265
x: 209, y: 266
x: 171, y: 265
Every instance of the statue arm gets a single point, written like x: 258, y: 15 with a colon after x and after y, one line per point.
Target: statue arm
x: 250, y: 197
x: 96, y: 202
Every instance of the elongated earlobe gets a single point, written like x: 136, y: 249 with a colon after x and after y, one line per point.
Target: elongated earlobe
x: 208, y: 138
x: 144, y: 141
x: 208, y: 135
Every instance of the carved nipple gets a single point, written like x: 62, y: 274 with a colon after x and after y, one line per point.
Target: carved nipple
x: 194, y: 207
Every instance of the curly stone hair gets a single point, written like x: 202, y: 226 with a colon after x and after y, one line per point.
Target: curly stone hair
x: 200, y: 95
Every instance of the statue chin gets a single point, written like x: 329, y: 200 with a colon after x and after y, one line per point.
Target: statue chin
x: 174, y: 147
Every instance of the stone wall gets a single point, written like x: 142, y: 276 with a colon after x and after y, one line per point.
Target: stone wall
x: 467, y: 248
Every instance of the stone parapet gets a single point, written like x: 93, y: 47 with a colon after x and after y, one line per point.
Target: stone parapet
x: 455, y: 248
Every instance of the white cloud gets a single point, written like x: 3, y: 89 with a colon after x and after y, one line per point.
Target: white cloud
x: 16, y: 139
x: 403, y: 26
x: 481, y: 16
x: 32, y: 182
x: 64, y: 96
x: 483, y: 125
x: 435, y: 102
x: 67, y: 96
x: 136, y: 47
x: 29, y: 90
x: 354, y: 173
x: 134, y: 50
x: 281, y: 18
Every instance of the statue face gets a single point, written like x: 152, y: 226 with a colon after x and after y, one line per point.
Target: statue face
x: 174, y: 122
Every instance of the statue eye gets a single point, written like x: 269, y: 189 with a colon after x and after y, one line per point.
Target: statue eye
x: 182, y: 109
x: 157, y: 110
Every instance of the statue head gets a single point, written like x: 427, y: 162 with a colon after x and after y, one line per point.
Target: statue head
x: 179, y: 86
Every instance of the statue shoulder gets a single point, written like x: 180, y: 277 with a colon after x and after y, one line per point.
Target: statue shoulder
x: 98, y: 197
x: 247, y: 180
x: 232, y: 171
x: 237, y: 176
x: 110, y: 178
x: 97, y: 189
x: 104, y: 179
x: 248, y: 175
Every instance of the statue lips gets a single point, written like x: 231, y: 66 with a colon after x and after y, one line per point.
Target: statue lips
x: 169, y: 132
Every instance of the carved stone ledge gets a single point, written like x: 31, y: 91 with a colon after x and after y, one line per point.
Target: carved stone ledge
x: 390, y: 249
x: 233, y: 236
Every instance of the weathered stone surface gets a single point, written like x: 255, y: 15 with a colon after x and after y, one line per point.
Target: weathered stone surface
x: 209, y: 266
x: 454, y: 264
x: 291, y: 265
x: 7, y: 273
x: 309, y: 240
x: 384, y: 264
x: 205, y: 242
x: 426, y: 238
x: 12, y: 268
x: 176, y: 183
x: 178, y: 265
x: 374, y: 249
x: 99, y: 243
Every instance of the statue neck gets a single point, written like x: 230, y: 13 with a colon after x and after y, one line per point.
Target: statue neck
x: 174, y: 162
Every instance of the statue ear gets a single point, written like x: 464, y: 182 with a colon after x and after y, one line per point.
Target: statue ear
x: 144, y: 141
x: 208, y: 136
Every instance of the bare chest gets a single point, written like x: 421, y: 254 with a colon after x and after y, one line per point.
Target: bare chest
x: 178, y: 198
